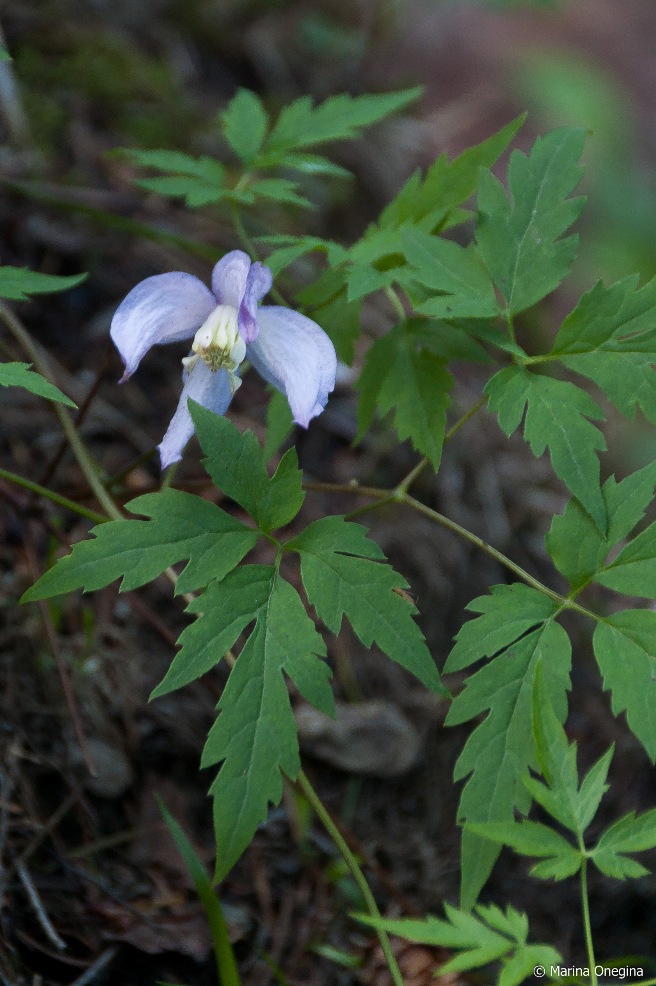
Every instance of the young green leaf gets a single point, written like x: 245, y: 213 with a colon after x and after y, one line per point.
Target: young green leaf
x: 182, y: 526
x: 556, y: 418
x: 560, y: 858
x: 343, y: 575
x: 20, y: 375
x: 633, y: 571
x: 198, y: 180
x: 426, y: 201
x: 462, y: 285
x: 341, y: 117
x: 255, y: 735
x: 628, y: 835
x: 571, y: 805
x: 18, y: 283
x: 625, y: 648
x: 576, y: 545
x: 520, y: 239
x: 610, y: 338
x: 225, y: 609
x: 282, y: 190
x: 508, y: 613
x: 279, y: 424
x: 245, y: 124
x: 225, y: 958
x: 237, y: 465
x: 401, y: 377
x: 486, y: 935
x: 498, y: 754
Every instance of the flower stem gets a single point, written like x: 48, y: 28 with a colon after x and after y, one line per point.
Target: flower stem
x: 324, y: 817
x: 587, y: 927
x: 78, y: 448
x: 61, y: 501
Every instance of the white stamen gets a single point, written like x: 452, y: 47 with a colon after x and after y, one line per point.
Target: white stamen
x: 219, y: 344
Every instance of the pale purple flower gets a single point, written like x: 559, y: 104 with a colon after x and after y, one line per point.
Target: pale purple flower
x: 289, y: 350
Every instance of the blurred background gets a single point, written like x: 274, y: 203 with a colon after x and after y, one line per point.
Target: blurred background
x: 86, y: 77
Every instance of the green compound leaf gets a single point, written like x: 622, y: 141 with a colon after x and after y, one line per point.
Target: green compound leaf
x: 245, y: 124
x: 556, y: 418
x: 255, y: 734
x: 625, y: 648
x: 182, y: 526
x: 20, y: 375
x: 508, y: 613
x: 561, y: 859
x: 629, y: 834
x: 485, y: 935
x: 342, y: 117
x: 463, y: 286
x: 561, y: 796
x: 198, y: 180
x: 426, y: 200
x: 18, y: 283
x: 226, y: 607
x: 343, y: 576
x: 282, y: 190
x: 498, y: 754
x: 520, y: 239
x: 578, y: 549
x: 237, y: 465
x: 633, y: 572
x: 610, y: 338
x: 401, y: 377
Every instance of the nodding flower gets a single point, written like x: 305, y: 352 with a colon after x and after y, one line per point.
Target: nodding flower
x: 289, y: 350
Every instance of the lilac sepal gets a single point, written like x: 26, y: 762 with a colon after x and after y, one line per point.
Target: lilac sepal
x: 296, y: 356
x: 163, y: 308
x: 258, y: 283
x: 229, y: 278
x: 212, y: 390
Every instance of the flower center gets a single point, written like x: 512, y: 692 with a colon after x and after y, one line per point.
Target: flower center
x: 219, y: 344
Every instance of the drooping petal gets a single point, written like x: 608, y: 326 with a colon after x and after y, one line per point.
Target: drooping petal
x: 207, y: 387
x: 163, y: 308
x: 229, y: 278
x: 258, y: 282
x: 296, y: 356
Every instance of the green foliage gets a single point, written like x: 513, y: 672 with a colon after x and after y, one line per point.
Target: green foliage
x: 182, y: 527
x: 628, y: 835
x: 610, y: 337
x: 226, y: 965
x: 520, y: 239
x: 344, y: 573
x: 578, y: 548
x: 199, y: 181
x: 625, y: 648
x: 426, y: 205
x: 342, y: 576
x: 20, y: 375
x: 238, y: 467
x: 263, y: 145
x: 301, y: 125
x: 18, y: 283
x: 245, y: 123
x: 404, y: 377
x: 557, y: 414
x: 487, y: 935
x: 425, y: 201
x: 516, y: 630
x: 573, y: 806
x: 255, y: 734
x: 459, y: 283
